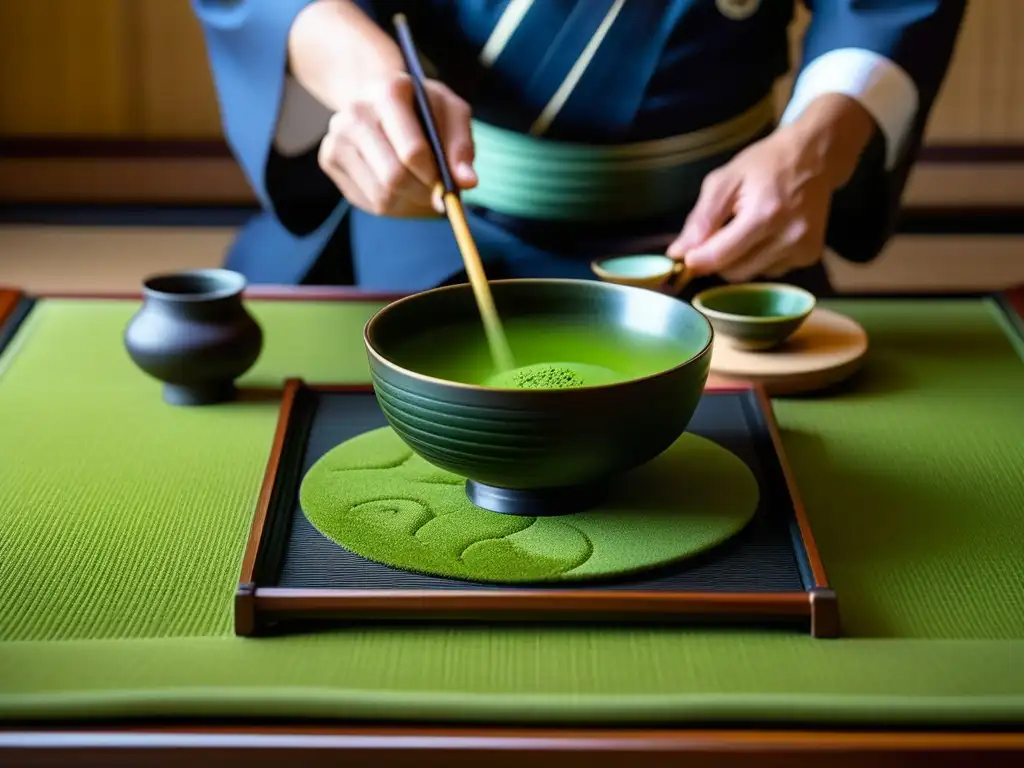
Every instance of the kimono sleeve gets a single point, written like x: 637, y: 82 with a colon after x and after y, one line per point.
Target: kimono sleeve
x: 247, y: 47
x: 892, y: 56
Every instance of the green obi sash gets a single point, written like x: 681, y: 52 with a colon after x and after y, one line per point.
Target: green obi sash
x: 536, y: 178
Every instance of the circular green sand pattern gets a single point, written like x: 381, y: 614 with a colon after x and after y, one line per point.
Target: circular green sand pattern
x: 375, y: 497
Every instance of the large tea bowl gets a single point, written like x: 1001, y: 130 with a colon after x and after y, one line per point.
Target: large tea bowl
x: 538, y: 452
x: 194, y: 334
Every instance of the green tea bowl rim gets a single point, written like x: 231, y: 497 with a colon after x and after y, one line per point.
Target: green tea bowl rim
x: 672, y: 265
x: 699, y: 300
x: 641, y: 294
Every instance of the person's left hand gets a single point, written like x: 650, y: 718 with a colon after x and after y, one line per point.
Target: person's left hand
x: 765, y: 212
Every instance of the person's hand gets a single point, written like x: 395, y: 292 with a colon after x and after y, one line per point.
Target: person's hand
x: 379, y: 157
x: 766, y: 211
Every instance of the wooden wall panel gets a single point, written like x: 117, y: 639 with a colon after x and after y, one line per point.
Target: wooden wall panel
x: 176, y: 93
x: 61, y: 68
x: 982, y: 101
x: 105, y: 68
x: 138, y: 68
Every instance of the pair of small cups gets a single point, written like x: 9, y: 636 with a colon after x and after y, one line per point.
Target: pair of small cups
x: 751, y: 316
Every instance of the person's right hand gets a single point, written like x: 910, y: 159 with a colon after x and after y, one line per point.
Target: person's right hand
x: 379, y: 157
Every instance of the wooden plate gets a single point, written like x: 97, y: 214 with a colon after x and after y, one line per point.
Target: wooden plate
x: 826, y: 349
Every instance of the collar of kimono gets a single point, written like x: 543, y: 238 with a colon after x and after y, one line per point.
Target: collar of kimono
x: 570, y: 59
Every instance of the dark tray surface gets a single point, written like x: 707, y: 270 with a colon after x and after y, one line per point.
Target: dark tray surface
x: 9, y: 327
x: 760, y: 559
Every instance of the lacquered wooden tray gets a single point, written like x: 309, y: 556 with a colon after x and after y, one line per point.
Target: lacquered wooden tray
x: 769, y: 575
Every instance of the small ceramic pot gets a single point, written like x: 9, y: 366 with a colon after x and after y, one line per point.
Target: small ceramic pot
x: 653, y: 271
x: 755, y: 316
x: 195, y: 335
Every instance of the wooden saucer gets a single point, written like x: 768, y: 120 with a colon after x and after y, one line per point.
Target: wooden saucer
x: 826, y: 349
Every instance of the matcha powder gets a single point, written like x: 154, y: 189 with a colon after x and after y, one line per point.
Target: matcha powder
x: 554, y: 376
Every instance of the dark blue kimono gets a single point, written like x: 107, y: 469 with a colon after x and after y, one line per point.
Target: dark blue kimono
x: 662, y: 69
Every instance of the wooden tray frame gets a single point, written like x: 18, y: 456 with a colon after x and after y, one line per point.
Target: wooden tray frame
x: 459, y: 746
x: 257, y: 607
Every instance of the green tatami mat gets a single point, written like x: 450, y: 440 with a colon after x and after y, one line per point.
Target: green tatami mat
x: 913, y: 476
x: 121, y: 517
x: 377, y: 498
x: 523, y: 675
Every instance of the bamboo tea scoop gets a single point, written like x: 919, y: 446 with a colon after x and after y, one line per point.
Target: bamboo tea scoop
x: 495, y: 332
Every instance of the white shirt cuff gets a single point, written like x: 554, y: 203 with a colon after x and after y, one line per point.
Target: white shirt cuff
x: 302, y: 121
x: 881, y: 86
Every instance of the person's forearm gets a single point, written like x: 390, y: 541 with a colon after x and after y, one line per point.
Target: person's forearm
x: 334, y: 49
x: 835, y: 129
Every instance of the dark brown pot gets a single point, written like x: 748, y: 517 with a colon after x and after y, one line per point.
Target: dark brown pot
x: 195, y: 335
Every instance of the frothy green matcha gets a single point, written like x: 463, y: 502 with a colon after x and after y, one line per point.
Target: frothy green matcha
x: 550, y: 352
x: 554, y: 376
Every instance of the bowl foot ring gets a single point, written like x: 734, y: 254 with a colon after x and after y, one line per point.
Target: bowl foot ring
x: 543, y: 502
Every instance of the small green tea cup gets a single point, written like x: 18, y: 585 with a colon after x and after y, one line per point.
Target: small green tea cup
x: 755, y: 316
x: 653, y: 271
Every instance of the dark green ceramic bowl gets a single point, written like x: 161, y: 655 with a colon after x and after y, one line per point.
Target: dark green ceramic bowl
x: 541, y: 442
x: 755, y: 316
